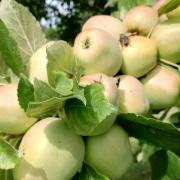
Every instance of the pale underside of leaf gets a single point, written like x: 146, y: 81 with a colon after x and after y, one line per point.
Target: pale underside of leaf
x: 23, y: 27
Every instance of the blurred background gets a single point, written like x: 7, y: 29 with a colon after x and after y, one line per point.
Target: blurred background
x: 62, y: 19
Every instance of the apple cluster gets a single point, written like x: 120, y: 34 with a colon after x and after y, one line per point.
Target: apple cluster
x: 126, y: 57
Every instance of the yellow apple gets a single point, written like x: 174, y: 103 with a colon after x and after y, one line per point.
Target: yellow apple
x: 98, y: 52
x: 50, y: 151
x: 13, y: 119
x: 107, y: 23
x: 132, y: 96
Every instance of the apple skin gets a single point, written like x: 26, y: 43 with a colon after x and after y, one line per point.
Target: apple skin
x: 162, y: 86
x: 98, y: 52
x: 110, y: 153
x: 139, y: 57
x: 38, y: 63
x: 50, y: 151
x: 141, y: 19
x: 132, y: 96
x: 13, y: 119
x: 107, y: 23
x: 167, y: 37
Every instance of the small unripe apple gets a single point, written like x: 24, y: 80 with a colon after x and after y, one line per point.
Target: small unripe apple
x: 38, y: 63
x: 50, y: 151
x: 110, y: 92
x: 167, y: 37
x: 107, y: 23
x: 162, y: 86
x: 139, y: 56
x: 98, y: 52
x: 141, y: 19
x: 110, y: 153
x: 13, y: 119
x: 132, y: 96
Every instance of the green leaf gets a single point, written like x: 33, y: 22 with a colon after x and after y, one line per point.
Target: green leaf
x: 168, y: 6
x: 48, y: 102
x: 9, y: 50
x: 60, y: 58
x: 87, y: 173
x: 43, y: 92
x: 165, y: 165
x: 49, y: 107
x: 8, y: 156
x: 23, y: 27
x: 46, y: 108
x: 25, y: 92
x: 78, y: 92
x: 62, y: 84
x: 159, y: 133
x: 83, y: 119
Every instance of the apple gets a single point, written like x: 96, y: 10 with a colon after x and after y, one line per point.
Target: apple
x: 38, y: 63
x: 167, y: 37
x: 110, y: 153
x: 132, y: 96
x: 13, y: 119
x: 141, y: 19
x: 98, y: 52
x: 50, y: 151
x: 139, y: 56
x: 162, y: 86
x: 107, y: 23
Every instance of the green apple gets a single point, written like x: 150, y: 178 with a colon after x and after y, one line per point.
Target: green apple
x: 110, y: 153
x: 50, y: 151
x: 139, y: 56
x: 167, y: 37
x: 162, y: 86
x: 141, y: 19
x: 107, y: 23
x: 132, y: 96
x: 38, y: 63
x: 13, y: 119
x: 98, y: 52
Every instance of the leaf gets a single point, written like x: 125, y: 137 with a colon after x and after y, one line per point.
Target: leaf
x: 62, y: 84
x: 43, y: 92
x: 9, y: 50
x: 83, y: 119
x: 159, y: 133
x: 23, y: 27
x: 25, y: 92
x: 165, y: 165
x: 48, y: 102
x: 46, y: 108
x: 8, y: 156
x: 60, y: 58
x: 168, y: 6
x: 49, y: 107
x: 87, y: 173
